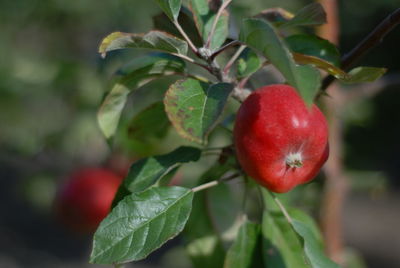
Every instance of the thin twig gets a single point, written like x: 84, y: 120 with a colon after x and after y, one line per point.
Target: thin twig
x: 233, y: 59
x: 206, y: 67
x: 205, y: 186
x: 182, y: 32
x: 223, y: 48
x: 214, y: 183
x: 215, y: 22
x: 372, y: 40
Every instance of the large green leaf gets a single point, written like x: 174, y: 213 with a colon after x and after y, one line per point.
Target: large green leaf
x: 170, y: 7
x: 314, y: 46
x: 310, y: 15
x: 151, y: 123
x: 248, y: 63
x: 152, y: 40
x: 260, y: 35
x: 245, y: 251
x: 142, y: 71
x: 205, y: 15
x: 282, y: 246
x: 194, y: 107
x: 140, y: 224
x: 147, y: 171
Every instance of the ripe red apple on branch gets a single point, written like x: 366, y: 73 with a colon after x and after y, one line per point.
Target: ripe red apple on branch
x: 280, y: 142
x: 85, y: 199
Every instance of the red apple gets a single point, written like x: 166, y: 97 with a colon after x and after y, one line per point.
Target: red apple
x: 279, y: 141
x: 85, y: 199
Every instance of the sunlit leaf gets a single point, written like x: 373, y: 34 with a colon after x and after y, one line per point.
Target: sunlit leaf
x: 142, y: 71
x: 261, y: 36
x: 320, y: 63
x: 152, y: 40
x: 140, y: 224
x: 195, y: 107
x: 364, y: 74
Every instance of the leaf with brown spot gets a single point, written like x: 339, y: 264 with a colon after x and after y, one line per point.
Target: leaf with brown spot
x: 195, y: 107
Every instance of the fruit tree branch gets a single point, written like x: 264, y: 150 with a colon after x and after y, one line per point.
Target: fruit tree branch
x: 372, y: 40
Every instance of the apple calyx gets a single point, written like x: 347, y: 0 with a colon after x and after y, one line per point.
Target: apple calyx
x: 294, y: 160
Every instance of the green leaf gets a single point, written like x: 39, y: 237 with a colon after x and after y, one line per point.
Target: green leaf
x: 248, y: 63
x: 151, y: 123
x: 205, y: 15
x: 314, y: 46
x: 282, y: 246
x: 312, y: 248
x: 163, y: 23
x: 310, y: 15
x: 261, y: 36
x: 147, y: 171
x: 245, y: 253
x: 152, y: 40
x: 363, y: 74
x: 170, y: 7
x: 140, y: 224
x: 194, y: 107
x: 142, y: 71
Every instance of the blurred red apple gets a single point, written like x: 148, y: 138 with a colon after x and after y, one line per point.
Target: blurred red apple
x: 85, y: 199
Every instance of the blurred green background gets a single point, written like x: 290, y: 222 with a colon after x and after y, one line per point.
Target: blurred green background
x: 52, y: 81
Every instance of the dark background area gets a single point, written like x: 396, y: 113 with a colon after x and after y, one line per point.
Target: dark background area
x: 52, y: 81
